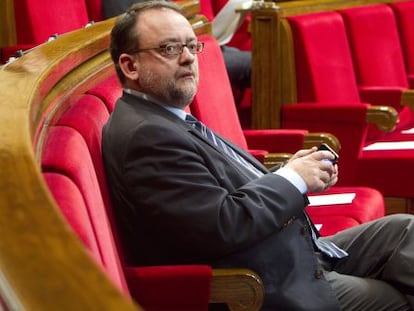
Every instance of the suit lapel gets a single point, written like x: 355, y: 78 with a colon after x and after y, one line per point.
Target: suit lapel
x: 156, y: 108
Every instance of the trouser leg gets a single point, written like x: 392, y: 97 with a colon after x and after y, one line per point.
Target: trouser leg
x: 365, y: 294
x: 383, y: 250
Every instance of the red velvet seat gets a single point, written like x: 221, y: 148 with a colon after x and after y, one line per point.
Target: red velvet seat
x: 329, y: 101
x: 95, y: 11
x: 379, y: 61
x: 327, y: 93
x: 217, y: 110
x: 242, y: 40
x: 336, y: 223
x: 404, y: 14
x: 36, y: 22
x: 109, y: 90
x: 71, y: 175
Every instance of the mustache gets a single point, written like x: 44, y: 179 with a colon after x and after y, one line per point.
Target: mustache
x: 188, y: 71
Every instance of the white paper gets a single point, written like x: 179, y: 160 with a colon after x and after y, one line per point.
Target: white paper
x: 410, y: 131
x: 393, y: 145
x: 331, y: 199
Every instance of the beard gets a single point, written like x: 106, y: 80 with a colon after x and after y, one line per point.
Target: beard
x: 173, y: 92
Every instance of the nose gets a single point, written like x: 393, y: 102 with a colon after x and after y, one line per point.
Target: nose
x: 186, y: 56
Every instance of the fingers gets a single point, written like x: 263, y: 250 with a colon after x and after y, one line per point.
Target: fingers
x: 312, y: 166
x: 323, y: 155
x: 303, y: 153
x: 333, y: 177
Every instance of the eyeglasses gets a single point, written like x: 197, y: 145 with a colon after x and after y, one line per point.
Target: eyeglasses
x: 177, y: 48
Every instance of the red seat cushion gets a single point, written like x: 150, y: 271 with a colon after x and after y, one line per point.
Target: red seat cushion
x: 333, y: 224
x: 367, y: 205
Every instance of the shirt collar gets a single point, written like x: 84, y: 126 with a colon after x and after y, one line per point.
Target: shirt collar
x: 177, y: 111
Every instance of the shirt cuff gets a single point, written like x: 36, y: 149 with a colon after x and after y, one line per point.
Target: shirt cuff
x: 293, y: 177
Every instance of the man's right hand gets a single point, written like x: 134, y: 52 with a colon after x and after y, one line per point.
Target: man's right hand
x: 318, y: 174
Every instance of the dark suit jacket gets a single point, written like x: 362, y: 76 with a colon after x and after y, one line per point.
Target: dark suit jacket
x: 179, y: 200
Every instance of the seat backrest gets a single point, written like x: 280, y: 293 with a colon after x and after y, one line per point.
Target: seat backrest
x: 404, y: 13
x: 324, y: 69
x: 109, y: 90
x: 375, y: 45
x: 36, y: 21
x: 72, y: 151
x: 95, y: 12
x: 206, y: 8
x: 67, y: 194
x: 87, y: 116
x: 214, y: 103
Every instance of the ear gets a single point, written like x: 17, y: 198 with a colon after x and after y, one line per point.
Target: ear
x: 129, y: 66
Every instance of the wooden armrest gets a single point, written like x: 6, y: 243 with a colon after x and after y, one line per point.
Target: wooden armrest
x: 310, y: 140
x: 407, y: 99
x: 384, y: 117
x: 315, y: 139
x: 240, y: 289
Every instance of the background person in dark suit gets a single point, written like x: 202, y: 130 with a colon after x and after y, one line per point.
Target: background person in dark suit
x: 179, y: 198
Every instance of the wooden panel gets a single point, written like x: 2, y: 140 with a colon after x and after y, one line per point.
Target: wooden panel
x: 7, y: 23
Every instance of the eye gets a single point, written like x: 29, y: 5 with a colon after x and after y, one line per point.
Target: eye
x: 192, y: 46
x: 171, y: 48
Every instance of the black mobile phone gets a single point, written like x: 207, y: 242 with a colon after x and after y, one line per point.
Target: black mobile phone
x: 324, y: 146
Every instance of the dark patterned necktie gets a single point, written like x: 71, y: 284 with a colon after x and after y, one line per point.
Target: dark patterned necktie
x: 328, y: 248
x: 217, y: 141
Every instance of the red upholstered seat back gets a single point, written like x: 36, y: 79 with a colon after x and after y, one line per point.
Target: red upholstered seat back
x: 404, y: 13
x: 206, y: 8
x: 66, y: 154
x: 324, y: 68
x: 375, y: 44
x: 95, y: 11
x: 108, y: 91
x: 214, y: 102
x: 87, y: 116
x: 67, y: 194
x: 37, y: 20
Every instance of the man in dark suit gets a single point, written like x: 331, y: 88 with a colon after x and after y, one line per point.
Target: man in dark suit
x: 181, y: 197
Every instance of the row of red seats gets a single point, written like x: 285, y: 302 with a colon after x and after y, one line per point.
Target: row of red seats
x: 76, y: 178
x: 37, y: 23
x: 344, y: 62
x: 72, y: 166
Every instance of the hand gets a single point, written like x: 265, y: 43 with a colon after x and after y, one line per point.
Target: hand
x: 318, y: 174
